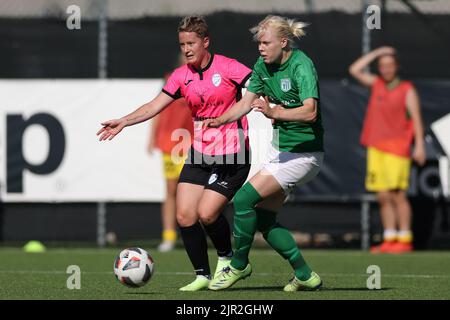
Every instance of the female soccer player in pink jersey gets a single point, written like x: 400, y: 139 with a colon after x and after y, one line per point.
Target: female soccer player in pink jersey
x: 218, y: 161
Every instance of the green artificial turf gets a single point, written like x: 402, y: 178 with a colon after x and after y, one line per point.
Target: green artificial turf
x: 419, y: 275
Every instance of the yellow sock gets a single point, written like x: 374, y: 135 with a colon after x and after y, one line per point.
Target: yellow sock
x: 169, y: 235
x: 405, y: 236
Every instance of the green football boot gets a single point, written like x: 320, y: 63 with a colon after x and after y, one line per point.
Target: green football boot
x: 229, y: 276
x: 200, y: 283
x: 313, y: 283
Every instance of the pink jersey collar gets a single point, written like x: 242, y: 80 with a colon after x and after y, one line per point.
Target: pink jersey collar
x: 201, y: 71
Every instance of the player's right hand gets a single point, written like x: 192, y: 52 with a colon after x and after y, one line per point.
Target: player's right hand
x: 110, y: 129
x: 212, y: 123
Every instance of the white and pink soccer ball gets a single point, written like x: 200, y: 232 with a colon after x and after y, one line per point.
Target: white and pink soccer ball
x: 133, y: 267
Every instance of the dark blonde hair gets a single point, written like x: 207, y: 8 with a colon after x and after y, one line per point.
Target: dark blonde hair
x: 195, y: 24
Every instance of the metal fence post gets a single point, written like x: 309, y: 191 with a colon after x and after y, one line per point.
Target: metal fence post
x: 365, y: 223
x: 101, y: 224
x: 365, y: 39
x: 103, y: 40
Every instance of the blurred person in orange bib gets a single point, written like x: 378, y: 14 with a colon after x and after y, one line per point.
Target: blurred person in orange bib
x: 393, y: 121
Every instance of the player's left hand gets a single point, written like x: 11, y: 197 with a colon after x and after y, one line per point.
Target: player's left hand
x: 263, y: 107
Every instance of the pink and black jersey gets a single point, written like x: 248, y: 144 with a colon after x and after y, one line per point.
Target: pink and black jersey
x: 210, y: 92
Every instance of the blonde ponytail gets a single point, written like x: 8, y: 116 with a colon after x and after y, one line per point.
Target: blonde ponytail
x: 297, y: 28
x: 285, y: 28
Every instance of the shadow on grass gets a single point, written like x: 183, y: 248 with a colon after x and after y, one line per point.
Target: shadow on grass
x: 256, y: 288
x: 322, y: 289
x: 353, y: 289
x: 139, y: 293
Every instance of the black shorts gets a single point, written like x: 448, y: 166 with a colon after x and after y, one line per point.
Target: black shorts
x: 224, y: 177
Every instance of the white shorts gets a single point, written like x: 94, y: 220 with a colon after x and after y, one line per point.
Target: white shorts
x: 292, y: 169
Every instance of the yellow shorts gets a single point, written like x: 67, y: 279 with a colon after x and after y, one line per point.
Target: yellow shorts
x: 386, y: 171
x: 172, y: 169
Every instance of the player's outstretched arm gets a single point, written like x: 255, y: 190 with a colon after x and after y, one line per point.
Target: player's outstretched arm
x: 111, y: 128
x: 236, y: 112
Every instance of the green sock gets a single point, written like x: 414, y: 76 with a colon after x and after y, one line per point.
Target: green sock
x: 280, y: 239
x: 245, y: 224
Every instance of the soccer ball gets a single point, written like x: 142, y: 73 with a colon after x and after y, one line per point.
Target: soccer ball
x: 133, y: 267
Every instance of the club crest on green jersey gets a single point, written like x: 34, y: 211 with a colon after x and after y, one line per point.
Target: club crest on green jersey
x: 285, y: 85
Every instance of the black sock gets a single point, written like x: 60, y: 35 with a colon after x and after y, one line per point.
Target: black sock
x: 220, y: 234
x: 194, y: 240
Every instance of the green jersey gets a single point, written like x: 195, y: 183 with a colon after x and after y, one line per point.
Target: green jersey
x: 290, y: 84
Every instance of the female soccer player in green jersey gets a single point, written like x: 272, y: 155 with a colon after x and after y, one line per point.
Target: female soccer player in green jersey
x: 288, y: 79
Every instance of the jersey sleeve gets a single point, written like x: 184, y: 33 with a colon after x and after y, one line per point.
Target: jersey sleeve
x: 172, y: 87
x: 307, y: 80
x: 256, y: 84
x: 238, y: 73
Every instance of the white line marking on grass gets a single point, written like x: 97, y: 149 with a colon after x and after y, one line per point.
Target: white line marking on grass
x: 317, y: 253
x: 258, y: 252
x: 262, y: 274
x: 424, y: 276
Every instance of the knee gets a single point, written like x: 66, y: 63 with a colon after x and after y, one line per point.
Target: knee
x: 239, y: 200
x: 245, y: 200
x: 171, y: 189
x: 399, y: 197
x: 206, y: 216
x: 264, y: 231
x: 171, y: 193
x: 266, y: 222
x: 384, y: 198
x: 186, y: 218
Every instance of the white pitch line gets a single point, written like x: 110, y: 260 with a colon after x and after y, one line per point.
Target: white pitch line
x: 262, y: 274
x: 264, y: 252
